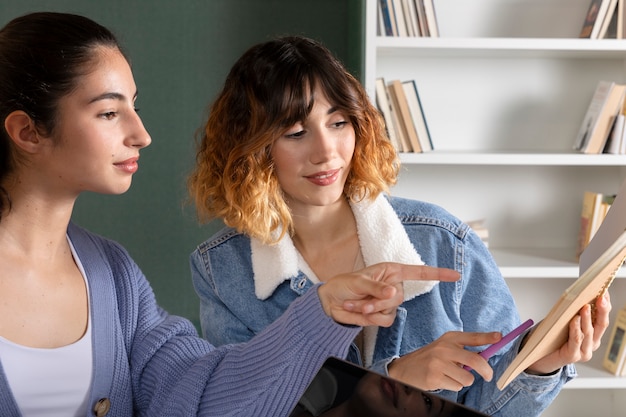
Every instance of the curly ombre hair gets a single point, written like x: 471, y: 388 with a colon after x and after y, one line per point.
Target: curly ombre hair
x: 268, y: 90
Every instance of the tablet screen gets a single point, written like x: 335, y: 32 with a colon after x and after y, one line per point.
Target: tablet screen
x: 342, y: 389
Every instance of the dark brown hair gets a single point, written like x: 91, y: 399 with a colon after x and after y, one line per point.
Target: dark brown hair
x: 42, y: 55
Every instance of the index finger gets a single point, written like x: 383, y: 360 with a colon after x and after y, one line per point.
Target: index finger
x: 405, y: 272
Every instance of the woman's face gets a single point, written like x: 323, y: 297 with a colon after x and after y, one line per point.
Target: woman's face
x: 98, y: 135
x: 379, y: 396
x: 312, y: 158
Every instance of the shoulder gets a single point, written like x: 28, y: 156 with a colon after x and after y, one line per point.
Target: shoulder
x: 88, y: 244
x: 421, y: 213
x: 226, y: 237
x: 227, y: 249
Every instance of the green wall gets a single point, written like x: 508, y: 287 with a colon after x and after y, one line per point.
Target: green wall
x: 181, y: 51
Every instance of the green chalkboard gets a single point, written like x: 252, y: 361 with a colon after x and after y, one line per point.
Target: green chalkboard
x: 181, y: 51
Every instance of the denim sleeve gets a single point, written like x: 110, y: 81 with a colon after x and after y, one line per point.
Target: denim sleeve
x: 218, y: 324
x: 488, y: 305
x: 527, y: 395
x: 482, y: 302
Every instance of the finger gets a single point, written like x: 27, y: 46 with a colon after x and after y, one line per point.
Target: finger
x: 382, y: 319
x: 403, y: 272
x: 586, y: 326
x: 601, y: 318
x: 471, y: 338
x: 575, y: 339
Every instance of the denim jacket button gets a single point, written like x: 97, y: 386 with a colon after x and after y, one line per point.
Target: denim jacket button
x: 302, y: 283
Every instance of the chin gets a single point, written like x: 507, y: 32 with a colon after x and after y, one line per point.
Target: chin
x: 120, y: 189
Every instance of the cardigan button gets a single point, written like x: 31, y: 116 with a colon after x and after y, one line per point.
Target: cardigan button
x: 102, y: 407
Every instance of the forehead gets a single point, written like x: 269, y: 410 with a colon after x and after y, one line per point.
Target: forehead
x: 108, y: 71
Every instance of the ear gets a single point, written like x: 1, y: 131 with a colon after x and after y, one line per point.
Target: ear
x: 22, y: 130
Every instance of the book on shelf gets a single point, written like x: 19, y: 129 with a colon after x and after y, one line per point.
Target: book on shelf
x: 615, y: 354
x: 598, y: 265
x: 595, y: 129
x: 402, y: 140
x: 389, y: 23
x: 384, y: 106
x: 417, y: 115
x: 407, y: 127
x: 401, y: 134
x: 594, y: 18
x: 421, y: 18
x: 616, y: 144
x: 613, y: 25
x: 620, y: 28
x: 398, y: 14
x: 609, y: 20
x: 594, y: 209
x: 588, y: 215
x: 431, y: 18
x: 480, y: 228
x: 410, y: 18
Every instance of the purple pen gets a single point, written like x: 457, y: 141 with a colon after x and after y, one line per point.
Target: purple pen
x: 492, y: 349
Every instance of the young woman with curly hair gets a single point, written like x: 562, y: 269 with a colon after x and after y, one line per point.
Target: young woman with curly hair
x: 295, y: 160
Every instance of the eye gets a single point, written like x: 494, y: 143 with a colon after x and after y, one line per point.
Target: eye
x: 295, y: 135
x: 108, y: 115
x: 340, y: 124
x: 427, y: 401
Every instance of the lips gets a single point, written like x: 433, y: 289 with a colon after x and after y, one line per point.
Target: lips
x: 389, y: 388
x: 324, y: 177
x: 130, y: 165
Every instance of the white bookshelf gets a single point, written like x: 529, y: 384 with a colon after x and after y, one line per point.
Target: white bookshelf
x: 504, y: 90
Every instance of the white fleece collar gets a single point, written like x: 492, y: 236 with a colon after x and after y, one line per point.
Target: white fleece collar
x: 382, y: 238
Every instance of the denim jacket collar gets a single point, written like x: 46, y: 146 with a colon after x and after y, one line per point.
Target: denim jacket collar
x: 382, y: 238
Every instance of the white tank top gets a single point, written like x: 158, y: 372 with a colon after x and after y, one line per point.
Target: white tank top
x: 50, y: 382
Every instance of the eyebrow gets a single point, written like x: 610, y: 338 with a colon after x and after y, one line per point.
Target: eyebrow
x: 110, y: 96
x: 332, y: 110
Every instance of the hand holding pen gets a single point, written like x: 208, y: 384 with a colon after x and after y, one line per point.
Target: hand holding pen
x: 508, y: 338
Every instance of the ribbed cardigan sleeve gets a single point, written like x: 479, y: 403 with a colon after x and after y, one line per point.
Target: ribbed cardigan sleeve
x: 174, y: 372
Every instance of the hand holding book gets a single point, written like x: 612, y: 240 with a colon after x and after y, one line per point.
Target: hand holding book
x: 571, y: 316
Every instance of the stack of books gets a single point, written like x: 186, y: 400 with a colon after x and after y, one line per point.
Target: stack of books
x: 412, y: 18
x: 602, y: 129
x: 401, y: 107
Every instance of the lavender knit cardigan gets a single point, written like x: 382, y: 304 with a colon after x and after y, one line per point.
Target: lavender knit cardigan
x: 150, y: 363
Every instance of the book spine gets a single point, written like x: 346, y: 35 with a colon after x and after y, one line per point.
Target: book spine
x: 386, y: 15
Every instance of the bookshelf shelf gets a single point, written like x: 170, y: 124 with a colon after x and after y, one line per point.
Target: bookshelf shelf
x: 593, y: 376
x: 504, y: 90
x: 511, y: 158
x: 501, y: 47
x: 539, y: 263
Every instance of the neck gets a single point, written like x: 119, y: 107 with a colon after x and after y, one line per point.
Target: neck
x: 322, y: 225
x: 35, y: 225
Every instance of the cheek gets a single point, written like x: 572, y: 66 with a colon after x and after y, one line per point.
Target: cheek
x: 285, y: 159
x: 347, y: 147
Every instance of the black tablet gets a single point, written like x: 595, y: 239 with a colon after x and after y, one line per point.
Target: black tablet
x: 342, y: 389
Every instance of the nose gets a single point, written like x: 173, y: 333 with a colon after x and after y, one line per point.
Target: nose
x: 138, y: 136
x: 323, y: 146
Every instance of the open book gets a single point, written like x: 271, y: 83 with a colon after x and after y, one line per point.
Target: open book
x: 598, y: 265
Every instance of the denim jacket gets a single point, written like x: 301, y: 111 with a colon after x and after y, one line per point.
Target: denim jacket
x: 234, y: 306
